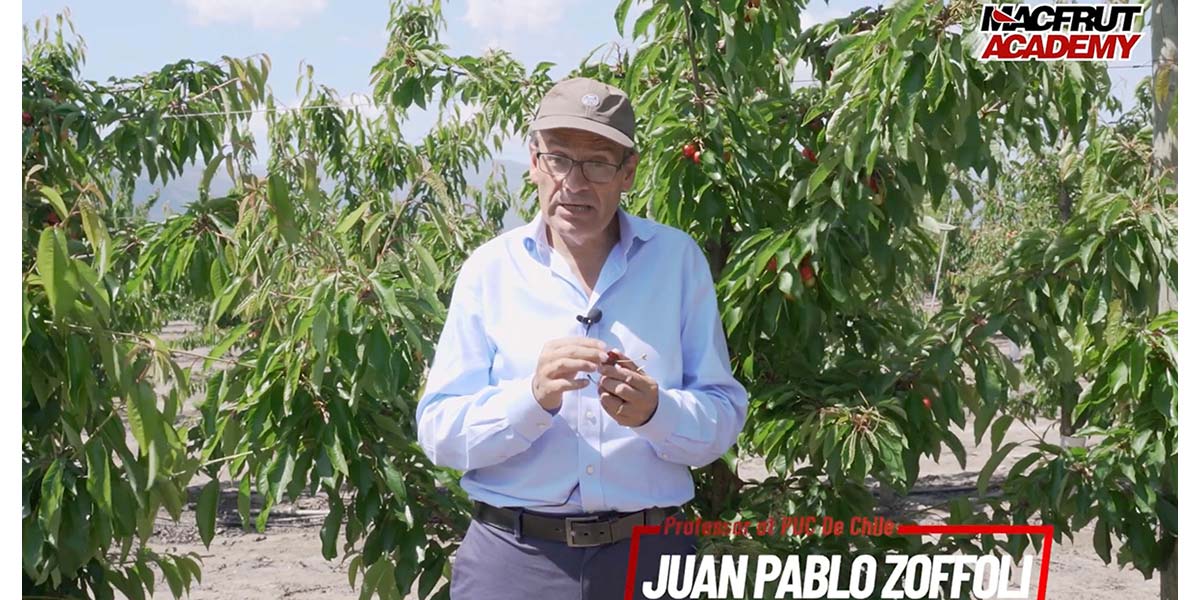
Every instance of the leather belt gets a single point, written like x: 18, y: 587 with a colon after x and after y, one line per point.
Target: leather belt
x: 576, y: 532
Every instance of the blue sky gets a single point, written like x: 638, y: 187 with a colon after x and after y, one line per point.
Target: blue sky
x: 342, y: 40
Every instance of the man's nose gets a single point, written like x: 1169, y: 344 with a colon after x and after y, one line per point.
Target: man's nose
x: 575, y: 179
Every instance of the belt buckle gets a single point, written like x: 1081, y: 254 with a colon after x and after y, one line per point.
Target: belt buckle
x: 571, y: 531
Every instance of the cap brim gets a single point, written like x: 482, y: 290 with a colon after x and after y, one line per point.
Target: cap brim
x: 569, y: 122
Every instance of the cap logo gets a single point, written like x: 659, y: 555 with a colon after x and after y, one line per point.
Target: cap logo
x: 590, y: 100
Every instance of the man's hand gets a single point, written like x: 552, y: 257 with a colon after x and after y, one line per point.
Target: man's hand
x: 627, y: 393
x: 560, y: 363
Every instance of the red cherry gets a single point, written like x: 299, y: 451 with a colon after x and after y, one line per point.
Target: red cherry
x: 689, y: 149
x: 612, y: 359
x: 876, y: 190
x: 696, y: 156
x: 927, y: 402
x: 808, y: 154
x: 807, y: 275
x: 772, y: 266
x: 26, y: 119
x: 52, y: 219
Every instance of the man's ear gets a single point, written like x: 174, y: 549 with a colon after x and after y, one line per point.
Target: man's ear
x: 631, y: 164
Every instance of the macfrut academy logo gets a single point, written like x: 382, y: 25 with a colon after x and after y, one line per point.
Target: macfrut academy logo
x: 1059, y: 31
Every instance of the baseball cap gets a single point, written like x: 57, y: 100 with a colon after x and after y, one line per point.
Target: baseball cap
x: 590, y: 105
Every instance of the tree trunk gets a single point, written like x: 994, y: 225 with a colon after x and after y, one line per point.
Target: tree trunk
x: 1164, y: 33
x: 1164, y: 17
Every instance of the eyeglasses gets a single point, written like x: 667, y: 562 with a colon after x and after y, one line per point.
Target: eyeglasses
x: 595, y: 171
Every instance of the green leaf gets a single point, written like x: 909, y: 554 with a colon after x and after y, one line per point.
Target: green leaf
x: 387, y: 297
x: 244, y: 500
x: 330, y: 528
x: 56, y: 201
x: 373, y: 576
x: 960, y: 453
x: 1118, y: 377
x: 171, y: 574
x: 429, y: 578
x: 819, y: 175
x: 31, y: 544
x: 333, y: 448
x: 1018, y: 469
x: 643, y: 23
x: 902, y: 15
x: 350, y: 219
x: 54, y: 266
x: 429, y: 266
x: 225, y: 344
x: 353, y: 569
x: 1102, y: 540
x: 206, y: 511
x: 285, y: 215
x: 99, y: 478
x: 999, y: 428
x: 209, y: 171
x: 394, y: 481
x: 50, y: 505
x: 145, y: 424
x: 985, y: 476
x: 621, y: 13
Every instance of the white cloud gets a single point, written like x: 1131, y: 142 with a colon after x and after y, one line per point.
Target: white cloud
x: 261, y: 14
x: 513, y: 15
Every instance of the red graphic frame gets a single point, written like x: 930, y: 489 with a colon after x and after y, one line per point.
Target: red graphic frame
x: 1046, y: 531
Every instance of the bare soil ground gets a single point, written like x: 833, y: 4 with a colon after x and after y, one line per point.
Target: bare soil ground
x: 285, y: 560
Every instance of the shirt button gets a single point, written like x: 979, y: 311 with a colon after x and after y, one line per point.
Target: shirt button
x: 591, y: 415
x: 591, y: 469
x: 663, y: 454
x: 542, y: 425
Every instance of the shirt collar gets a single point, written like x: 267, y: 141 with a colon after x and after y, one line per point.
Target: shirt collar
x: 533, y: 234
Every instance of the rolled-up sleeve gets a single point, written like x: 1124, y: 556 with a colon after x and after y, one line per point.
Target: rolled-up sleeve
x: 698, y: 422
x: 464, y: 421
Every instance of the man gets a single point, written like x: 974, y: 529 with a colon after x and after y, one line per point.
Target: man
x: 563, y: 452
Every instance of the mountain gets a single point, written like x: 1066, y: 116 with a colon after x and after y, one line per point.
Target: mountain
x: 176, y: 194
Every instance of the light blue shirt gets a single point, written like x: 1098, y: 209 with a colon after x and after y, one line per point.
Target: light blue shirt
x: 515, y: 293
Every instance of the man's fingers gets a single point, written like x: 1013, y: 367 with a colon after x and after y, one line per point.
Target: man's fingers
x: 585, y: 342
x: 618, y: 388
x: 611, y: 403
x: 630, y: 377
x: 588, y: 353
x: 555, y: 386
x: 563, y: 367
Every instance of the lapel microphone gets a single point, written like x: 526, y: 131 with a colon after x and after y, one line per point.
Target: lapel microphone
x: 591, y: 318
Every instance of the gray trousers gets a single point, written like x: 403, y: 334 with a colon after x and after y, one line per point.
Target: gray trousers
x: 492, y: 564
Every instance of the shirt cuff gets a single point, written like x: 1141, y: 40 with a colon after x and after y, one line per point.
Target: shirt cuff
x: 528, y: 418
x: 664, y: 420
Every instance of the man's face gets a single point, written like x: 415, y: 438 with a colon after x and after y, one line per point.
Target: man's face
x: 574, y: 207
